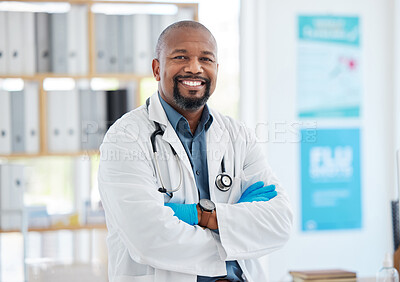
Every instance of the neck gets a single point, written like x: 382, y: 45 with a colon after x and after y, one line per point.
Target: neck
x: 193, y: 117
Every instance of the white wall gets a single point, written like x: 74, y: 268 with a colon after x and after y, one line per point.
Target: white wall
x: 268, y: 72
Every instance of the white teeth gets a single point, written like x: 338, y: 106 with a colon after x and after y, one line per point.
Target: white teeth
x: 191, y: 83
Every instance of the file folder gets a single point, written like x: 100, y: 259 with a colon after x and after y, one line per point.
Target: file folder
x: 59, y: 46
x: 142, y: 39
x: 42, y: 31
x: 29, y: 46
x: 31, y: 96
x: 15, y: 43
x: 5, y: 123
x: 17, y: 121
x: 3, y: 43
x: 101, y: 42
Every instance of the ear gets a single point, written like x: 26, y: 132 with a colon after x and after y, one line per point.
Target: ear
x: 156, y: 69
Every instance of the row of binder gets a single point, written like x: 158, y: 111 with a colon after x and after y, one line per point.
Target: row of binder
x: 78, y: 119
x: 19, y: 120
x: 42, y: 42
x: 126, y: 43
x: 12, y: 184
x: 58, y: 42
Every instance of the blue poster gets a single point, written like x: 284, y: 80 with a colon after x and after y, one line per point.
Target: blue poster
x: 329, y: 67
x: 330, y: 179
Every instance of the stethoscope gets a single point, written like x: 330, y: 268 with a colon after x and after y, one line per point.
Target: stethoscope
x: 223, y: 181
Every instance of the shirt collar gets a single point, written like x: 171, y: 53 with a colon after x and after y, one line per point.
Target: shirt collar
x: 174, y: 117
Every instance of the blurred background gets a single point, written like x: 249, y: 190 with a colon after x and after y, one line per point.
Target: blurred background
x: 316, y: 81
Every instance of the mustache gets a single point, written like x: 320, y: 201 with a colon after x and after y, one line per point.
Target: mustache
x: 205, y: 80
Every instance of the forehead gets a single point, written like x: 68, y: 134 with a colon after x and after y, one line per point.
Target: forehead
x: 184, y: 38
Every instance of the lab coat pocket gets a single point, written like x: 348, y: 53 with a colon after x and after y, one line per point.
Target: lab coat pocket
x: 232, y: 195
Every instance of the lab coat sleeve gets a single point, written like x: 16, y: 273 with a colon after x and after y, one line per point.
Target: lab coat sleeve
x: 251, y: 230
x: 135, y: 211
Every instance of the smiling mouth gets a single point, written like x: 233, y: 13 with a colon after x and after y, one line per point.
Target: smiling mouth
x: 192, y: 83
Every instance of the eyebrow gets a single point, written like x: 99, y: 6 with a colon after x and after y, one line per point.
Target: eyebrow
x: 184, y: 51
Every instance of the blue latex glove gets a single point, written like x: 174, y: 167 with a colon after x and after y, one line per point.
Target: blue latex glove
x: 185, y: 212
x: 258, y: 192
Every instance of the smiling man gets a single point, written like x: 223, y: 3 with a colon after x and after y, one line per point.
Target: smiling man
x: 187, y: 191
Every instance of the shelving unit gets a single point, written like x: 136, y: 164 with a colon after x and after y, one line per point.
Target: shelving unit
x: 39, y: 78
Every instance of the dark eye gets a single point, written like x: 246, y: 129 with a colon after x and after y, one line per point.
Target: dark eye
x: 179, y: 57
x: 206, y: 59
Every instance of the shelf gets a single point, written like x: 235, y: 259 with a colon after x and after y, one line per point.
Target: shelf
x: 58, y: 228
x: 61, y: 154
x: 42, y: 76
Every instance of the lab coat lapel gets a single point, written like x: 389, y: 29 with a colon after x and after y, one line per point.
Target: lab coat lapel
x: 172, y: 138
x: 217, y: 138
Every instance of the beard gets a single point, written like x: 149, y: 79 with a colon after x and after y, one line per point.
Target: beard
x: 191, y: 104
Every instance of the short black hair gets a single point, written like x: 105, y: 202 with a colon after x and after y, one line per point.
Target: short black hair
x: 178, y: 25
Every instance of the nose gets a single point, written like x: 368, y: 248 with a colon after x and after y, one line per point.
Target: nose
x: 193, y: 66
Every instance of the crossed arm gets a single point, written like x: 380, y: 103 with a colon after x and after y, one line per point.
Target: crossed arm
x: 191, y: 213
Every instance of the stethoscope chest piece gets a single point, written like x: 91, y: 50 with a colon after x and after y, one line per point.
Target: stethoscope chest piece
x: 223, y: 182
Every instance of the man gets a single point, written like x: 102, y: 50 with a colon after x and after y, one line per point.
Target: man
x: 213, y: 211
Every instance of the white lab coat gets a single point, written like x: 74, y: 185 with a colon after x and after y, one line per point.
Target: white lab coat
x: 146, y: 242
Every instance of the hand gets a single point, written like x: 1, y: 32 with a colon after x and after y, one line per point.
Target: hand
x: 258, y: 192
x: 185, y: 212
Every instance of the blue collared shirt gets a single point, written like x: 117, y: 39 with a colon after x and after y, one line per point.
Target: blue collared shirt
x: 196, y: 148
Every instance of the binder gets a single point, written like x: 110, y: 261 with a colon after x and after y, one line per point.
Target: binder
x: 63, y: 121
x: 142, y: 50
x: 42, y: 32
x: 5, y: 175
x: 116, y: 105
x: 77, y: 40
x: 3, y: 42
x: 55, y: 120
x: 11, y: 196
x: 5, y: 122
x: 71, y: 121
x: 87, y: 121
x: 156, y: 29
x: 101, y: 41
x: 125, y: 58
x: 31, y: 102
x: 72, y: 40
x: 29, y: 49
x: 112, y: 43
x: 167, y: 20
x: 59, y: 46
x: 15, y: 43
x: 100, y: 114
x: 17, y: 122
x: 17, y: 190
x: 83, y: 40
